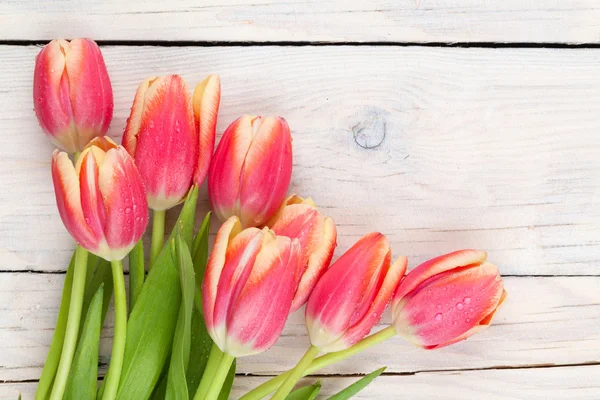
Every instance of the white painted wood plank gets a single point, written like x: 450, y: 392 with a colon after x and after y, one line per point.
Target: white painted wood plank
x: 545, y: 321
x: 573, y: 383
x: 297, y: 20
x: 438, y: 148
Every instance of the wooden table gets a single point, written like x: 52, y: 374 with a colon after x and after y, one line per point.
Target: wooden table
x: 443, y: 124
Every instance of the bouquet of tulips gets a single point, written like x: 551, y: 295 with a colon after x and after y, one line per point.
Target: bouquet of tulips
x: 190, y: 311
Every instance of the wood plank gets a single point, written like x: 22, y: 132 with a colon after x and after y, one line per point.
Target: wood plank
x: 574, y: 383
x: 438, y: 148
x: 545, y: 321
x: 414, y: 21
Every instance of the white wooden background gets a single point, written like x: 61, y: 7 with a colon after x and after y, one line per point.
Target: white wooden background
x: 452, y: 124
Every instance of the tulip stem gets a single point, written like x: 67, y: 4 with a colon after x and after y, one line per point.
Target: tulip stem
x: 73, y: 321
x: 214, y: 359
x: 331, y: 358
x: 118, y: 348
x: 158, y: 234
x: 296, y: 373
x: 219, y: 377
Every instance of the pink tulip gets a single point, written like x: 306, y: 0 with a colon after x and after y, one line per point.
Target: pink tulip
x: 250, y: 281
x: 101, y: 199
x: 251, y: 169
x: 299, y: 219
x: 448, y: 299
x: 350, y: 297
x: 171, y: 136
x: 72, y: 95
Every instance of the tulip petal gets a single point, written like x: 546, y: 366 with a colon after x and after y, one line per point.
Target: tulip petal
x: 125, y: 202
x: 270, y: 288
x: 132, y: 129
x: 225, y: 169
x: 92, y: 203
x: 290, y: 200
x: 206, y: 99
x: 457, y: 259
x: 68, y: 200
x: 90, y: 90
x: 266, y: 172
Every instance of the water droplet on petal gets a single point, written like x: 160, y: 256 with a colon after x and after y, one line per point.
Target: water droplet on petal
x: 439, y: 306
x: 470, y: 309
x: 459, y: 306
x: 87, y: 220
x: 468, y: 320
x: 438, y: 316
x: 120, y: 210
x: 128, y: 210
x: 454, y: 322
x: 445, y: 288
x: 467, y: 300
x: 151, y: 124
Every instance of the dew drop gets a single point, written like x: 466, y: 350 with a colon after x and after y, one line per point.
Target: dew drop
x: 138, y: 219
x: 87, y: 221
x: 439, y: 306
x: 445, y: 288
x: 151, y: 124
x: 467, y: 300
x: 468, y: 320
x: 459, y: 306
x: 120, y: 210
x: 454, y: 322
x: 470, y: 309
x: 128, y: 210
x: 438, y: 316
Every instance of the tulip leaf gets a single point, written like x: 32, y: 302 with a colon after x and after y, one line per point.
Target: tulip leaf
x: 228, y: 383
x: 99, y: 273
x: 305, y: 393
x: 200, y: 258
x: 83, y: 377
x: 357, y: 386
x: 177, y: 388
x: 160, y: 391
x: 137, y: 273
x: 152, y: 321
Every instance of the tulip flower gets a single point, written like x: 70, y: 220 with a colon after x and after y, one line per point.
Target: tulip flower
x: 299, y: 219
x: 171, y: 136
x: 448, y: 299
x: 348, y: 301
x: 72, y: 95
x: 102, y: 203
x: 250, y: 281
x: 251, y: 170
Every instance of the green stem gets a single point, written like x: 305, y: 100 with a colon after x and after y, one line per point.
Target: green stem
x: 219, y: 378
x: 73, y: 320
x: 214, y: 359
x: 331, y: 358
x: 51, y: 364
x: 136, y: 273
x: 118, y: 348
x: 158, y: 234
x: 296, y: 373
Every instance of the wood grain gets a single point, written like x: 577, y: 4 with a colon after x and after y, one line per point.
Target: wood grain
x: 440, y: 149
x: 573, y: 383
x: 413, y: 21
x: 545, y: 321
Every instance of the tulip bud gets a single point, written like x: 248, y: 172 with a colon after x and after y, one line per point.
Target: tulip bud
x: 171, y: 146
x: 101, y: 199
x: 350, y: 297
x: 299, y: 219
x: 448, y: 299
x: 72, y: 95
x: 251, y: 169
x: 250, y: 281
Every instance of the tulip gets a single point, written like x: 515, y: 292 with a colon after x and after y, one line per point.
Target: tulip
x: 299, y: 219
x: 102, y: 203
x: 73, y: 98
x: 250, y: 281
x: 171, y: 136
x: 348, y: 301
x: 251, y: 170
x: 448, y: 299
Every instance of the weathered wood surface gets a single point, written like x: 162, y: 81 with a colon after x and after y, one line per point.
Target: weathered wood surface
x: 415, y: 21
x: 545, y: 321
x: 438, y: 148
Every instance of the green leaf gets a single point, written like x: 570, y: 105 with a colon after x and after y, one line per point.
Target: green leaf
x: 160, y: 391
x: 357, y: 386
x: 99, y: 273
x: 137, y: 273
x: 152, y: 321
x: 83, y: 377
x: 305, y: 393
x: 200, y: 258
x: 226, y: 389
x: 177, y: 388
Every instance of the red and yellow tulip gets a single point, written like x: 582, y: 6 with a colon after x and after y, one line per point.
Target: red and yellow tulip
x: 72, y: 95
x: 447, y: 299
x: 101, y: 199
x: 251, y: 170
